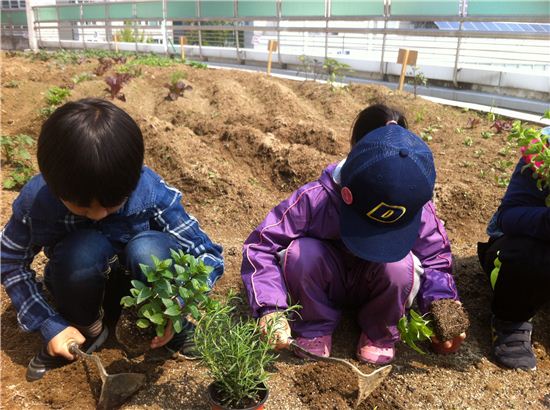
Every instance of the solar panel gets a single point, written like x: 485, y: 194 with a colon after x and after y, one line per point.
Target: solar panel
x: 494, y: 26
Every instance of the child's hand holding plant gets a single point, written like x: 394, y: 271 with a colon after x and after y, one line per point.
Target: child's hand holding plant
x: 280, y: 329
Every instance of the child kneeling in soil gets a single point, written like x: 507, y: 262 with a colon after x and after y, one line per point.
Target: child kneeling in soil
x: 517, y: 261
x: 98, y: 213
x: 365, y: 235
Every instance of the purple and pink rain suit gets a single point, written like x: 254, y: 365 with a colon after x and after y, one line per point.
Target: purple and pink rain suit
x: 297, y: 254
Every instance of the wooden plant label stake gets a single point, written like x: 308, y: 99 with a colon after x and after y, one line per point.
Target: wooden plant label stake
x: 115, y: 37
x: 183, y: 41
x: 405, y: 57
x: 272, y: 46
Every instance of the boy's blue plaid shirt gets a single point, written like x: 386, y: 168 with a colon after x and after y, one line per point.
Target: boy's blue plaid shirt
x: 40, y: 221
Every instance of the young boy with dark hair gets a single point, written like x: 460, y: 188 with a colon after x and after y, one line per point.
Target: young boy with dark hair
x: 97, y: 212
x: 517, y: 261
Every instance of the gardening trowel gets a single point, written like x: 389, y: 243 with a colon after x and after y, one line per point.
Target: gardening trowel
x: 115, y: 388
x: 367, y: 382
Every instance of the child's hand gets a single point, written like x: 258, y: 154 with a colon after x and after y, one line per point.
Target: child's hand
x: 281, y: 329
x: 165, y: 338
x: 59, y: 344
x: 448, y: 346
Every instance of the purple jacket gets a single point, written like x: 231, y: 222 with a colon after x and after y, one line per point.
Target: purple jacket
x: 313, y: 211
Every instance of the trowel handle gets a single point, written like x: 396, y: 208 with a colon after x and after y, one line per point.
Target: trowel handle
x: 74, y: 349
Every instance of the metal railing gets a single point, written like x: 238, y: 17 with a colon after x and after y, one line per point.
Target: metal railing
x: 365, y: 32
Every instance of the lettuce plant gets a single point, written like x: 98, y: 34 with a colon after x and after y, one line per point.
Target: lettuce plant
x: 176, y: 86
x: 175, y: 288
x: 115, y: 83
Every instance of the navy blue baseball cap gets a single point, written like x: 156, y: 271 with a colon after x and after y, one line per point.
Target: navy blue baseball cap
x: 386, y: 180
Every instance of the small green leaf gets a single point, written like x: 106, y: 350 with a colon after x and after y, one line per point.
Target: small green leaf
x: 159, y: 329
x: 157, y: 319
x: 138, y: 284
x: 143, y: 295
x: 177, y: 323
x: 127, y: 301
x: 173, y: 310
x: 184, y: 293
x: 167, y: 302
x: 167, y: 274
x: 194, y: 312
x: 143, y: 323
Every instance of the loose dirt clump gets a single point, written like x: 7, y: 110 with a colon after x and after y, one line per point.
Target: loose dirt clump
x: 133, y: 339
x: 449, y: 319
x: 326, y: 386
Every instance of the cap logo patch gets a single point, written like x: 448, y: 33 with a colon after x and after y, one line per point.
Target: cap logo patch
x: 387, y: 214
x: 347, y: 196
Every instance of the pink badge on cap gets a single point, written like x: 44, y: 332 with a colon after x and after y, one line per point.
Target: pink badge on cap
x: 347, y: 196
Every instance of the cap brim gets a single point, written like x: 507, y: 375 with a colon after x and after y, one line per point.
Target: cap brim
x: 376, y: 243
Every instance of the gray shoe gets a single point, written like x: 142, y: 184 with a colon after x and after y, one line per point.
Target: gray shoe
x: 512, y: 344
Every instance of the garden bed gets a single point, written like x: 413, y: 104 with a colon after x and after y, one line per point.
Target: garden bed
x: 236, y: 144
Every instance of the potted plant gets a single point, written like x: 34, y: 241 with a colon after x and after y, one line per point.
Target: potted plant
x: 175, y: 288
x: 236, y: 355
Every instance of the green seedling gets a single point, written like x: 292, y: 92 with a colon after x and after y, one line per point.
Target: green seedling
x: 17, y: 156
x: 55, y: 96
x: 12, y: 84
x: 175, y: 288
x: 546, y: 115
x: 468, y: 141
x: 335, y: 71
x: 418, y: 79
x: 196, y: 64
x: 535, y: 146
x: 414, y: 329
x: 486, y: 134
x: 80, y: 78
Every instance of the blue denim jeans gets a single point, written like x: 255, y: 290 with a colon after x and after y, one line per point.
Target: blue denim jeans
x: 86, y: 272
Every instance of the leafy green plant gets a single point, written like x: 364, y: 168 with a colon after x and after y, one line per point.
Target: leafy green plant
x: 535, y: 147
x: 196, y: 64
x: 176, y: 86
x: 419, y: 116
x: 468, y: 141
x: 18, y: 157
x: 81, y: 77
x: 309, y: 66
x: 130, y: 35
x: 418, y: 79
x: 414, y: 329
x: 335, y: 71
x: 486, y: 134
x: 175, y: 288
x: 55, y: 96
x: 546, y: 115
x: 235, y: 353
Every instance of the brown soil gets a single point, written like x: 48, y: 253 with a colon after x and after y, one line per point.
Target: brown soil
x: 236, y: 145
x: 449, y: 319
x: 134, y: 340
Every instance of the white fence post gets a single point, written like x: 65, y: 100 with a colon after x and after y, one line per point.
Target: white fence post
x: 33, y: 44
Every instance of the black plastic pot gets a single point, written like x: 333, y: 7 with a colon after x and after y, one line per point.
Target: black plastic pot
x: 215, y: 404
